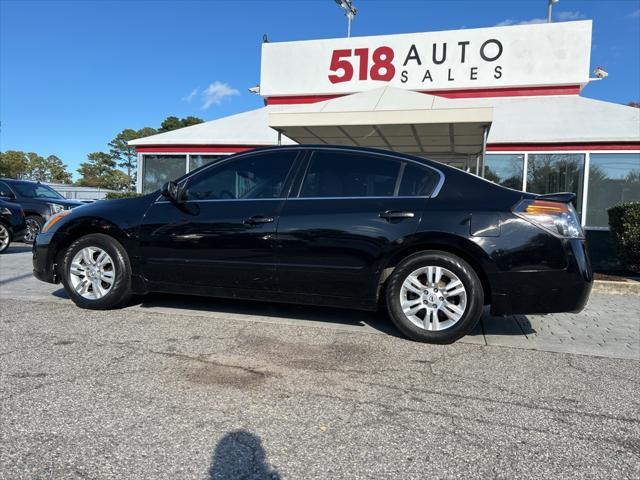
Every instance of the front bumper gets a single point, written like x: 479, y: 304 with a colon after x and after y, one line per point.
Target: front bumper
x: 44, y: 267
x: 548, y: 291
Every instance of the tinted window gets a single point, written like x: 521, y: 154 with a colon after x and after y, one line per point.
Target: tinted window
x: 333, y: 174
x: 4, y: 188
x: 256, y: 176
x: 417, y: 181
x: 35, y: 190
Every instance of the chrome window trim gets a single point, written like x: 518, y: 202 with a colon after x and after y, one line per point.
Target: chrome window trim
x: 232, y: 157
x: 386, y: 197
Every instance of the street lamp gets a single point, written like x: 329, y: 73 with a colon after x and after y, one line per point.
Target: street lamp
x: 349, y: 11
x: 551, y: 2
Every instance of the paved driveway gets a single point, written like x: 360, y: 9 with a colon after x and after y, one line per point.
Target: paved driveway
x: 608, y: 327
x: 177, y: 388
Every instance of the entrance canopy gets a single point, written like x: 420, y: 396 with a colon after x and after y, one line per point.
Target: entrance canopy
x: 391, y: 118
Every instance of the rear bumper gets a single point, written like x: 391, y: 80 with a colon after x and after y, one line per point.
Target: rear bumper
x: 44, y: 267
x: 549, y: 291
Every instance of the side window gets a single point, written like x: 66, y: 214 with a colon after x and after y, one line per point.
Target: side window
x: 342, y: 174
x: 5, y: 191
x: 255, y: 176
x: 417, y: 181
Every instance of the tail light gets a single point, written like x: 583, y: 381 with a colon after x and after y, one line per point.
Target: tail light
x: 556, y: 217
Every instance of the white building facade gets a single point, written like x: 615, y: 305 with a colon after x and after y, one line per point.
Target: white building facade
x: 501, y: 102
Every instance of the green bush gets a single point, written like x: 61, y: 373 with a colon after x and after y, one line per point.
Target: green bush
x: 116, y: 195
x: 624, y: 222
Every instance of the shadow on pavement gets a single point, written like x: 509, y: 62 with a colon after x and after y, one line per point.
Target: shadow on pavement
x: 239, y: 455
x: 22, y: 248
x: 376, y: 320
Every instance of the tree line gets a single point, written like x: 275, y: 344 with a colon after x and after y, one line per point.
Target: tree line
x: 115, y: 169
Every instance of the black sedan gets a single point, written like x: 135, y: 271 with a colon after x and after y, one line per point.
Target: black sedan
x: 12, y: 224
x: 39, y: 202
x: 334, y: 226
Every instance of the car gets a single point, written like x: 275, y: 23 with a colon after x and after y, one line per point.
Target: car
x: 39, y: 202
x: 329, y: 225
x: 12, y: 224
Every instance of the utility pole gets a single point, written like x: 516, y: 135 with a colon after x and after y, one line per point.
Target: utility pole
x: 550, y: 8
x: 349, y: 11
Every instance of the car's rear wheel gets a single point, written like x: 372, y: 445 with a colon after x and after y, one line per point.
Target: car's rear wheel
x: 96, y: 272
x: 33, y: 224
x: 434, y: 296
x: 5, y: 237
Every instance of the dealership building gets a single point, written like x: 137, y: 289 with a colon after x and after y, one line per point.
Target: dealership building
x: 503, y: 102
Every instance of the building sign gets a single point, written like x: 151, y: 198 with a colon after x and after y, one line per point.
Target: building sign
x: 498, y: 57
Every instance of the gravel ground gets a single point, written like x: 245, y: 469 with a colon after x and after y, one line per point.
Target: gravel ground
x: 132, y: 394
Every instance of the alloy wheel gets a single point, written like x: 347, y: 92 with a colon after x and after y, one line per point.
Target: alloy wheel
x: 32, y: 230
x: 433, y: 298
x: 92, y: 273
x: 4, y: 238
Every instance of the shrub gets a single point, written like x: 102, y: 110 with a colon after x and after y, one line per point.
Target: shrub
x: 116, y: 195
x: 624, y: 222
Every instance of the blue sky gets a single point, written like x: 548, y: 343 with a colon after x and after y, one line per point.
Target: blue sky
x: 75, y: 73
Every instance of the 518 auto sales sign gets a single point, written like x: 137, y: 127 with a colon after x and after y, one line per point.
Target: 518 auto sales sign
x: 499, y: 57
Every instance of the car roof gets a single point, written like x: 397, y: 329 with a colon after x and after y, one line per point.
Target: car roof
x: 13, y: 180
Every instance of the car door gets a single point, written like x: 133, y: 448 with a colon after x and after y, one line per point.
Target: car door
x: 349, y: 210
x: 221, y: 234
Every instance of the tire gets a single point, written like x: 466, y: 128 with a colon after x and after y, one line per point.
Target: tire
x: 34, y: 224
x: 5, y: 237
x: 430, y: 315
x: 83, y: 259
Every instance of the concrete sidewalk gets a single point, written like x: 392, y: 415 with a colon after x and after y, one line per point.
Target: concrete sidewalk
x: 608, y: 327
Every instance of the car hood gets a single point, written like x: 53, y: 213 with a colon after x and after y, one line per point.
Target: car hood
x: 61, y: 201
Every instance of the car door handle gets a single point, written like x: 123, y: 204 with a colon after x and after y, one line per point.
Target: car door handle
x: 258, y: 219
x: 393, y: 214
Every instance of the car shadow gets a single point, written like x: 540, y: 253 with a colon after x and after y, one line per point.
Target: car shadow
x: 503, y: 326
x: 379, y: 321
x: 22, y: 248
x: 323, y: 315
x: 240, y: 455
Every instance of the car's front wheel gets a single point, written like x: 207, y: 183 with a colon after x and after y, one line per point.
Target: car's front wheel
x: 33, y: 224
x: 434, y: 296
x: 96, y: 272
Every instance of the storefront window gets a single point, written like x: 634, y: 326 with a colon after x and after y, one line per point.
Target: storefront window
x: 159, y: 169
x: 556, y: 172
x: 613, y: 178
x: 505, y: 170
x: 196, y: 161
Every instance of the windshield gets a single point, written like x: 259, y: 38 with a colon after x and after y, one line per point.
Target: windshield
x: 36, y: 190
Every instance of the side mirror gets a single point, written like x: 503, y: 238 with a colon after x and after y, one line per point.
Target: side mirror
x: 172, y: 191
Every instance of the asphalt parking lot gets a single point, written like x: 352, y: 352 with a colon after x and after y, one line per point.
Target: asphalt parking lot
x: 173, y: 387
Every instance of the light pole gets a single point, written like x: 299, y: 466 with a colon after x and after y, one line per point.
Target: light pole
x: 550, y: 8
x: 349, y: 11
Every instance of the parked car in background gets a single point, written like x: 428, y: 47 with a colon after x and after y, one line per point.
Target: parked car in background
x: 12, y: 224
x: 38, y: 201
x: 328, y: 225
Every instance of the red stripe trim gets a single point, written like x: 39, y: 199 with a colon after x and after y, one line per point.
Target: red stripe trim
x: 502, y: 147
x: 469, y: 93
x: 295, y: 99
x: 508, y: 92
x: 195, y: 148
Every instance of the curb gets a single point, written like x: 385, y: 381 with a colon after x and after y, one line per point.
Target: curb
x: 628, y: 287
